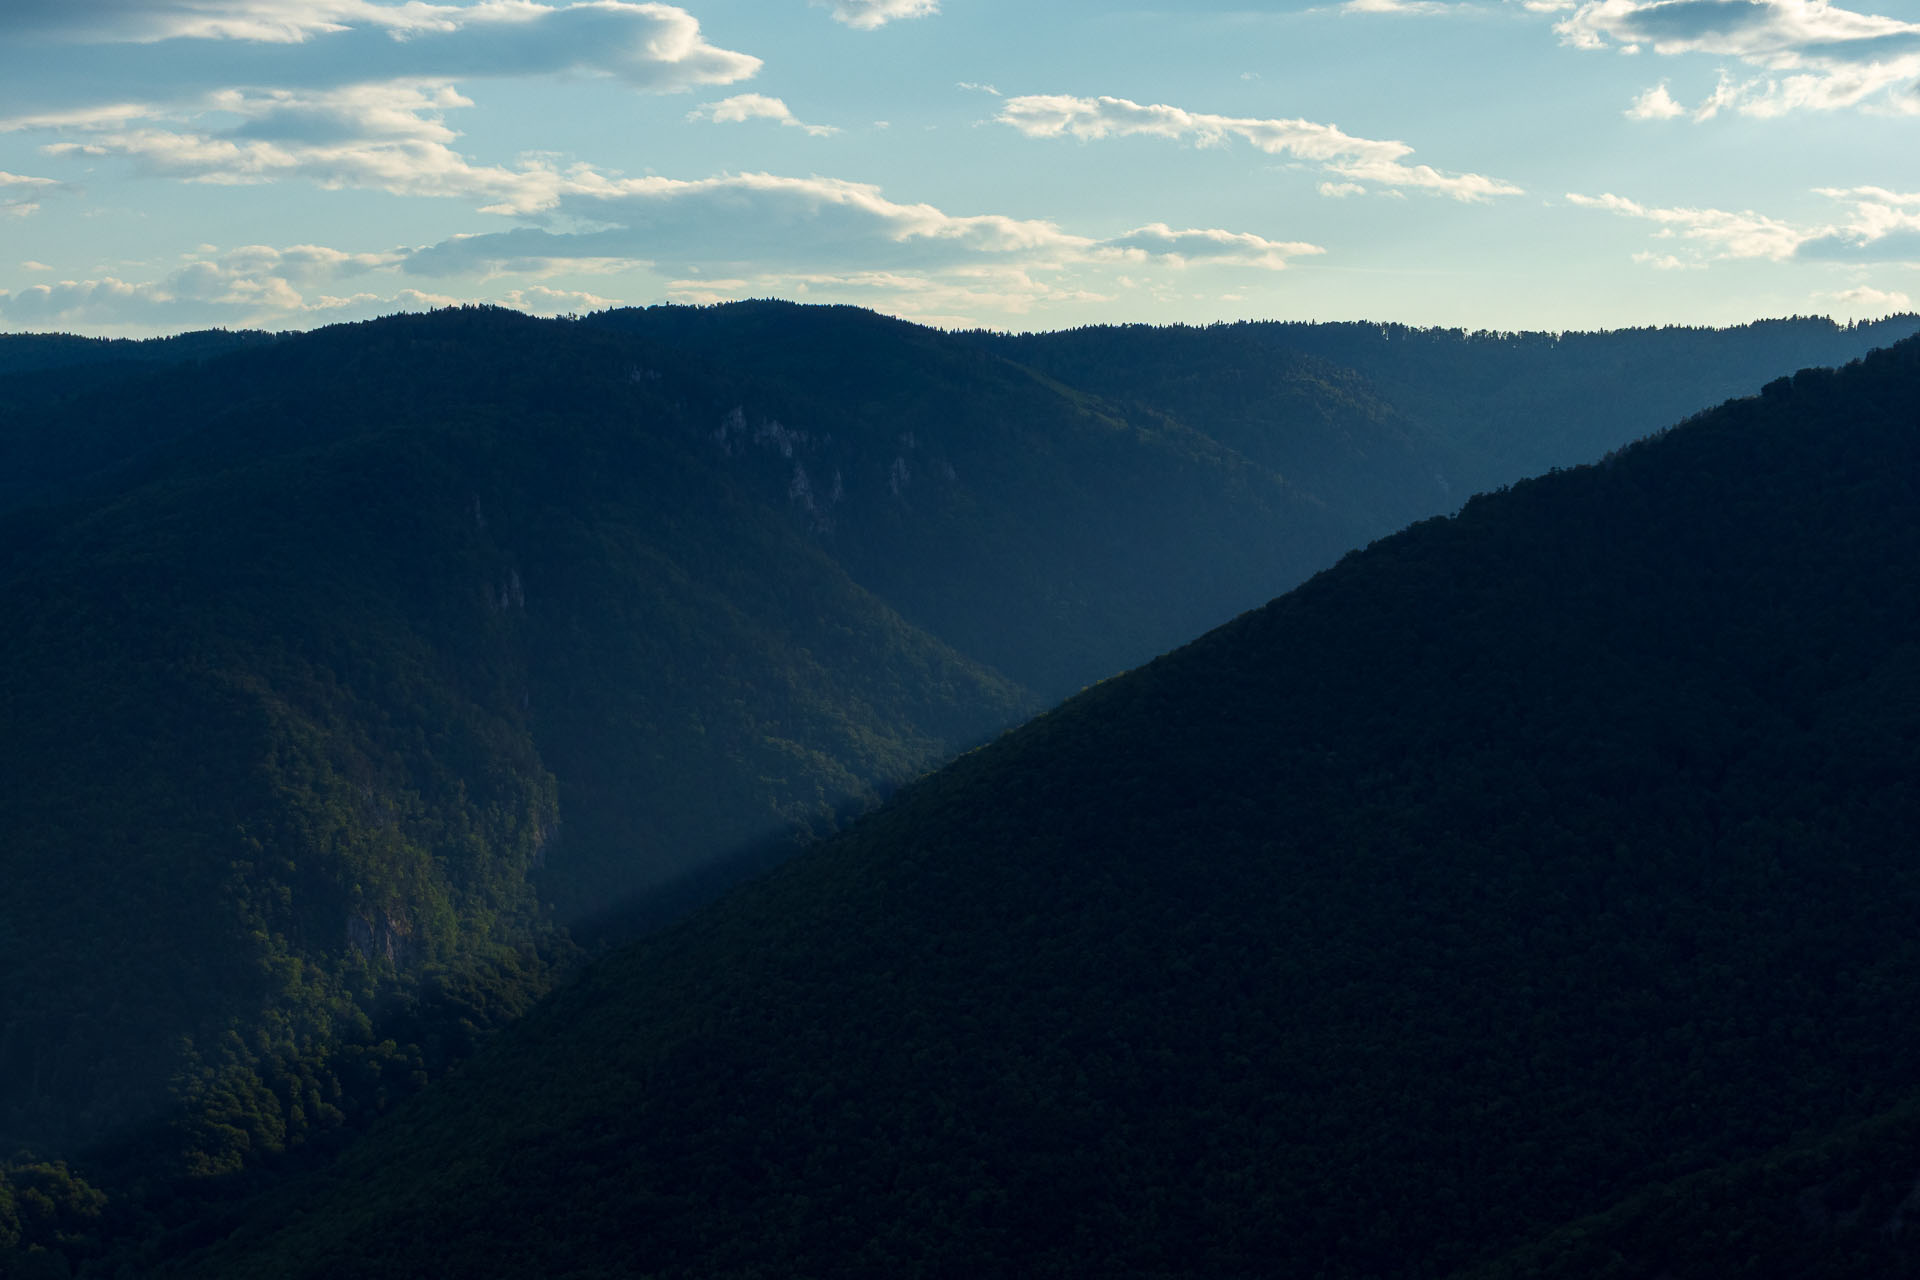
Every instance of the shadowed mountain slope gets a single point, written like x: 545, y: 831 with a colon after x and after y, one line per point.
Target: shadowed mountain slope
x: 1524, y: 862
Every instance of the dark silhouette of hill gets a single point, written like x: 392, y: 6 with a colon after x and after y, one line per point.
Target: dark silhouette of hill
x: 1523, y: 865
x: 112, y: 357
x: 347, y: 672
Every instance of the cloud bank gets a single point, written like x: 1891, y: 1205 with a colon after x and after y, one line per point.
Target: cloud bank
x: 1814, y: 56
x: 260, y: 286
x: 1883, y: 226
x: 653, y: 48
x: 1873, y: 302
x: 353, y: 94
x: 1356, y: 160
x: 809, y: 224
x: 391, y: 138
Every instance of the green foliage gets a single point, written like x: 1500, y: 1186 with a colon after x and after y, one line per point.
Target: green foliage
x: 47, y: 1216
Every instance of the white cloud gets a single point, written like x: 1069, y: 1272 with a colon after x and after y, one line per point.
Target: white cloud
x: 1816, y: 55
x: 92, y: 82
x: 387, y: 137
x: 372, y: 127
x: 255, y: 286
x: 648, y: 42
x: 313, y: 96
x: 541, y: 300
x: 1875, y: 302
x: 746, y: 221
x: 1884, y: 226
x: 70, y: 300
x: 188, y: 297
x: 1357, y: 159
x: 1655, y: 104
x: 102, y: 116
x: 305, y: 264
x: 18, y: 194
x: 1340, y: 190
x: 755, y: 106
x: 103, y: 21
x: 1404, y: 8
x: 731, y: 219
x: 1666, y: 262
x: 1227, y: 248
x: 245, y: 285
x: 396, y: 138
x: 866, y: 15
x: 1720, y: 233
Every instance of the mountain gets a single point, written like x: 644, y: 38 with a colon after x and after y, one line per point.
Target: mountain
x: 1524, y: 865
x: 356, y: 683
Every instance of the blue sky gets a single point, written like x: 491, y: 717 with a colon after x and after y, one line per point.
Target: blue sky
x: 177, y: 164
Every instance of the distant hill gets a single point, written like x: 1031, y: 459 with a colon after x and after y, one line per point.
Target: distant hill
x: 1545, y: 859
x: 1468, y: 410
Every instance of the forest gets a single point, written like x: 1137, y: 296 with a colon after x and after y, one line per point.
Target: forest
x: 551, y: 782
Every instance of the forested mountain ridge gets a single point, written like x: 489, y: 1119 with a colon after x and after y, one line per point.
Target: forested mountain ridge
x: 1528, y: 862
x: 1334, y: 455
x: 1484, y: 407
x: 343, y: 667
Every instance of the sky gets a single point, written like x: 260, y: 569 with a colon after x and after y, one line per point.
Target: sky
x: 168, y: 165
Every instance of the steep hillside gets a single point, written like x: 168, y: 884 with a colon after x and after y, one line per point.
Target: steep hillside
x: 1521, y: 864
